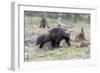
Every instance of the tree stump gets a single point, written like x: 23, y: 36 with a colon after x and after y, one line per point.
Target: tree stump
x: 81, y: 35
x: 43, y: 23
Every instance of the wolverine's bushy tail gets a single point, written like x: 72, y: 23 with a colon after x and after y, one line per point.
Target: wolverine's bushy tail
x: 40, y: 39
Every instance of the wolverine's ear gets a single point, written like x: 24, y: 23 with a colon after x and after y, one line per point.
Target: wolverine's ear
x: 67, y: 32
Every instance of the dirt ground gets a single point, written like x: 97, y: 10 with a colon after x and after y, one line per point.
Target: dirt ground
x: 63, y: 52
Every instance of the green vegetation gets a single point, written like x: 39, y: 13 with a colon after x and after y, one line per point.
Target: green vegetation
x: 60, y: 54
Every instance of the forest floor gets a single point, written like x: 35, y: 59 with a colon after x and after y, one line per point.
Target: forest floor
x: 63, y: 52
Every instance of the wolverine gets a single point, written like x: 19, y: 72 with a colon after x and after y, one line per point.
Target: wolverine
x: 54, y: 36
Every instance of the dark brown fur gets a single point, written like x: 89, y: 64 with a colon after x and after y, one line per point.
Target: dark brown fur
x: 54, y: 36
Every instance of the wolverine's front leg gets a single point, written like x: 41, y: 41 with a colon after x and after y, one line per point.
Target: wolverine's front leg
x: 41, y: 45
